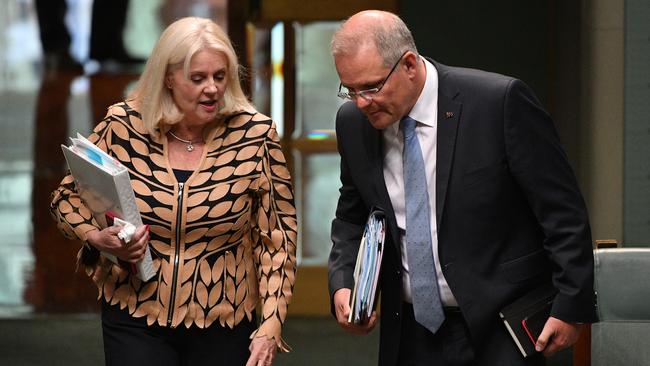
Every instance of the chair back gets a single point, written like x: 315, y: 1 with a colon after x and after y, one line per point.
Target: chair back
x: 622, y: 284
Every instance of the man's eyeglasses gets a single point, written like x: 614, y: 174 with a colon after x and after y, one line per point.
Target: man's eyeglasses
x: 368, y: 93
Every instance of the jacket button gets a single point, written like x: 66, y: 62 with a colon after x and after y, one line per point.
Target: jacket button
x: 397, y: 314
x: 398, y: 272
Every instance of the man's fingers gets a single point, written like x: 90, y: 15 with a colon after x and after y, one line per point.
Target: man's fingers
x: 557, y: 335
x: 342, y: 305
x: 544, y: 337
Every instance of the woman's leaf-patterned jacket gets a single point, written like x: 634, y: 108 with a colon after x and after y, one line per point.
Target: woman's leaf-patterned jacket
x: 221, y: 243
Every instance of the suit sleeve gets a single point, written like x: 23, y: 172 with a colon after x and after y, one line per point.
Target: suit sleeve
x: 351, y: 213
x: 540, y: 167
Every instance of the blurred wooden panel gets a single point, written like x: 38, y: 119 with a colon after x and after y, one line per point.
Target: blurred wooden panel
x: 582, y: 348
x: 54, y: 286
x: 310, y: 293
x: 305, y: 11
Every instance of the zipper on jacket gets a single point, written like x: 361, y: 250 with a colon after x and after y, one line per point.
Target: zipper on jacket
x: 170, y: 311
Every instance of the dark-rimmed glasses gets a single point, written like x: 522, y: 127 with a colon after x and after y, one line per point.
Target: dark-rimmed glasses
x: 368, y: 93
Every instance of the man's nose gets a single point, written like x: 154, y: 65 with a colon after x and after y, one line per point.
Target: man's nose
x: 362, y: 102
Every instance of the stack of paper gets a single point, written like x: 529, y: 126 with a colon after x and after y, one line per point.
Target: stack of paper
x: 105, y: 187
x: 366, y: 271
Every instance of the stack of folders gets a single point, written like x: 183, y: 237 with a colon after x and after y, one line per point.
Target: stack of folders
x: 366, y: 271
x: 105, y: 187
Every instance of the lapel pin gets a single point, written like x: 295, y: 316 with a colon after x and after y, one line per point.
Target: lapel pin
x: 449, y: 114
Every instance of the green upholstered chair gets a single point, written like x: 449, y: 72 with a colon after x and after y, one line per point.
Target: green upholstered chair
x: 622, y: 283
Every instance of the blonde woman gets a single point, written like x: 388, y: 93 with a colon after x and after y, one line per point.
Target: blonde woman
x: 216, y: 198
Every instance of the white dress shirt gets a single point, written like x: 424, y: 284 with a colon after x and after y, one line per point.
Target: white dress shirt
x: 425, y: 111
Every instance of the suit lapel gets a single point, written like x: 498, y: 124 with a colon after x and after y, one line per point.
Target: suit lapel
x: 374, y: 148
x: 449, y: 110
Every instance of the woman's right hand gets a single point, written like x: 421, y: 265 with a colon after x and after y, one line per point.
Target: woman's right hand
x: 107, y: 240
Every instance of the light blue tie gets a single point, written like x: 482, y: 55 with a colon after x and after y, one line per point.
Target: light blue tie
x: 422, y: 271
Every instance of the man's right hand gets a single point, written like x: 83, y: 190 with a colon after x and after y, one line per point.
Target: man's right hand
x: 342, y: 307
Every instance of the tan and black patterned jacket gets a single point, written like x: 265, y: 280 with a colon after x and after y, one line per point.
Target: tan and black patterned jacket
x: 221, y: 242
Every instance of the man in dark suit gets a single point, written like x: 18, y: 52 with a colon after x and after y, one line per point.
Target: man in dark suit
x: 501, y: 208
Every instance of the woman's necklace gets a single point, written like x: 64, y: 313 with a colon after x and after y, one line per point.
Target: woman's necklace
x: 189, y: 147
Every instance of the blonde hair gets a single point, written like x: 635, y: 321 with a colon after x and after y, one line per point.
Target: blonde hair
x: 175, y: 48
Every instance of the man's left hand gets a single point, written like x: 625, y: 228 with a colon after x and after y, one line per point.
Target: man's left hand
x: 557, y: 335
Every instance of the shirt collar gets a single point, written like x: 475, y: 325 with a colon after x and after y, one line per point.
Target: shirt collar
x: 425, y: 109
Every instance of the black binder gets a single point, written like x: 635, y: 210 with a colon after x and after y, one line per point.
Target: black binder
x: 525, y: 317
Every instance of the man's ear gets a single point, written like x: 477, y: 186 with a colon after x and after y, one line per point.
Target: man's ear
x: 411, y: 61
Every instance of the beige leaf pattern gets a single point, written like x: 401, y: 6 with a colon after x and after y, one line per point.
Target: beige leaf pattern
x: 195, y: 235
x: 276, y: 154
x: 162, y: 196
x: 197, y: 213
x: 245, y: 168
x: 281, y: 171
x: 141, y: 188
x: 256, y: 131
x: 138, y: 125
x: 74, y: 218
x: 230, y: 289
x: 223, y: 173
x: 139, y: 146
x: 65, y: 207
x: 247, y: 153
x: 120, y: 153
x: 215, y: 294
x: 226, y: 158
x: 191, y: 314
x: 217, y: 242
x: 159, y: 160
x: 217, y: 269
x: 218, y: 192
x: 234, y: 137
x: 197, y: 199
x: 121, y: 131
x: 220, y: 209
x: 219, y: 229
x: 185, y: 291
x: 206, y: 273
x: 240, y: 294
x: 163, y: 177
x: 164, y: 213
x: 189, y: 272
x: 240, y: 203
x: 167, y: 270
x: 147, y: 291
x: 202, y: 294
x: 284, y: 191
x: 143, y: 206
x: 231, y: 239
x: 201, y: 178
x: 240, y: 187
x: 195, y: 250
x: 141, y: 167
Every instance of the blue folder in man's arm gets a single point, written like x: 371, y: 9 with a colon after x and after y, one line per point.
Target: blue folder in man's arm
x: 366, y: 271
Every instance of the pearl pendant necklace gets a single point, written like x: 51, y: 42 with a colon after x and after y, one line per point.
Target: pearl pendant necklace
x: 189, y: 147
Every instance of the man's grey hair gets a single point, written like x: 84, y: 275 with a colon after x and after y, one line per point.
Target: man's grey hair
x: 391, y: 38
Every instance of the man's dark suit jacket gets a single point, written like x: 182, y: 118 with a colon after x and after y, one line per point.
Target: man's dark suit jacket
x: 509, y: 212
